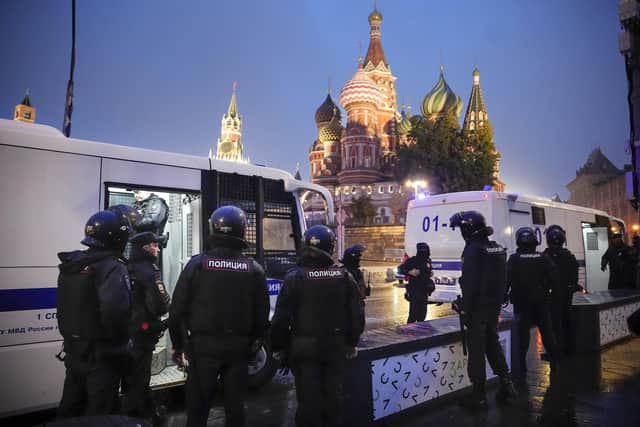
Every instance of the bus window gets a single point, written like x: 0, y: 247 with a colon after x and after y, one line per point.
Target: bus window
x: 314, y: 207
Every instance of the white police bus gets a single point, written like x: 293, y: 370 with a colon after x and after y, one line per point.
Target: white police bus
x: 50, y: 185
x: 588, y: 231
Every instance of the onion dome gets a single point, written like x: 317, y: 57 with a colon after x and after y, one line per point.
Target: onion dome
x: 404, y: 127
x: 360, y: 89
x: 332, y: 131
x: 441, y: 99
x: 325, y: 112
x: 375, y: 16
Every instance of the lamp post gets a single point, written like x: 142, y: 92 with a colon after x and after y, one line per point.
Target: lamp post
x: 416, y: 184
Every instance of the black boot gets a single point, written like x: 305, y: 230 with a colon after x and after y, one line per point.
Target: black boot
x: 507, y: 392
x: 477, y: 400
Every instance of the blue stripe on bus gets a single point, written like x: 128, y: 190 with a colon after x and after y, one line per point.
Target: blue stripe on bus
x: 274, y: 286
x: 27, y: 299
x: 447, y: 265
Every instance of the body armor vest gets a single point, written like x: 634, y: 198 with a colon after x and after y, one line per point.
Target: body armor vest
x: 322, y: 298
x: 223, y: 290
x: 77, y: 304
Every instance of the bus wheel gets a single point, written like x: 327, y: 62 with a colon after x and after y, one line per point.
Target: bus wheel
x: 262, y: 368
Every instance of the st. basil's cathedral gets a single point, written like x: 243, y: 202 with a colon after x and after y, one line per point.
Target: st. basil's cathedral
x: 358, y: 159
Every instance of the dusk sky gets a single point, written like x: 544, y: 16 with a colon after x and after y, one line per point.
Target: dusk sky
x: 158, y: 74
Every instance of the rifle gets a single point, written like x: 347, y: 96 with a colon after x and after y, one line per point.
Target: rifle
x: 456, y: 305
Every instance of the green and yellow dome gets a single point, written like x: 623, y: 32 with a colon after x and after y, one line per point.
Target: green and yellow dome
x: 333, y: 130
x: 441, y: 99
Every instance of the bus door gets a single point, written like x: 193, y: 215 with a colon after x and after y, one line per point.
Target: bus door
x: 180, y: 212
x: 596, y: 241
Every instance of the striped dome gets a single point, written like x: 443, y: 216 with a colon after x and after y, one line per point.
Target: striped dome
x: 441, y: 99
x: 360, y: 89
x: 333, y: 130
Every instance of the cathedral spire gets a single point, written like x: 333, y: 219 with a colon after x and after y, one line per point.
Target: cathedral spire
x: 375, y: 53
x: 476, y: 115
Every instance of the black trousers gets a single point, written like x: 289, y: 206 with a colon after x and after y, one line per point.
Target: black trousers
x: 201, y: 384
x: 538, y: 314
x: 319, y: 392
x: 561, y: 323
x: 137, y: 392
x: 417, y: 311
x: 91, y: 382
x: 482, y: 335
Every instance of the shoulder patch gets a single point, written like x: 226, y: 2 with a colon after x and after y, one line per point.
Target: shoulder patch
x: 324, y: 273
x: 222, y: 264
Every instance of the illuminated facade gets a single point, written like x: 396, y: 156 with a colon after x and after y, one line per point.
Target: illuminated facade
x: 24, y: 112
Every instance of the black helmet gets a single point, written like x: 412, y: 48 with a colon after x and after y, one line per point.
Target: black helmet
x: 320, y: 237
x: 227, y: 224
x: 471, y: 224
x: 556, y: 235
x: 106, y: 230
x: 352, y: 254
x: 526, y: 237
x: 128, y: 214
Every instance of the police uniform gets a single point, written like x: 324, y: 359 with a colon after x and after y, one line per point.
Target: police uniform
x: 566, y: 283
x: 318, y: 321
x: 221, y: 303
x: 154, y: 212
x: 483, y: 284
x: 150, y: 301
x: 93, y: 310
x: 620, y: 259
x: 351, y: 262
x: 420, y: 287
x: 530, y: 280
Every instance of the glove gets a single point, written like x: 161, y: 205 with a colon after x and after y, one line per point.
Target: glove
x: 283, y: 358
x: 352, y: 353
x: 178, y: 358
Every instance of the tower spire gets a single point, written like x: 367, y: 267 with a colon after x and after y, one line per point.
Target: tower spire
x: 476, y: 115
x: 230, y: 143
x: 375, y: 53
x: 232, y: 111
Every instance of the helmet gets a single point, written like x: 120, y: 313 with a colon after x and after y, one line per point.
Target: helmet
x: 128, y: 214
x: 352, y: 254
x: 525, y: 236
x: 320, y: 237
x: 106, y: 230
x: 556, y: 235
x: 228, y: 224
x: 471, y: 224
x: 423, y: 247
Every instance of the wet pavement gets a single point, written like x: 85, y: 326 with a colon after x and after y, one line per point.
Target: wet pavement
x: 597, y: 390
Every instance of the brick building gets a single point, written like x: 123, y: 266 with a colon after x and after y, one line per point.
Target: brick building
x: 599, y: 184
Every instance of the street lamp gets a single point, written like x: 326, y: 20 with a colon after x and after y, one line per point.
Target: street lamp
x: 416, y: 184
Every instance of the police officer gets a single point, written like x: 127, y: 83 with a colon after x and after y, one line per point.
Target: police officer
x: 420, y: 285
x: 154, y: 213
x: 93, y: 310
x: 483, y: 284
x: 351, y: 261
x: 150, y: 301
x: 530, y: 280
x: 620, y: 260
x: 566, y: 283
x: 318, y: 321
x: 221, y: 303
